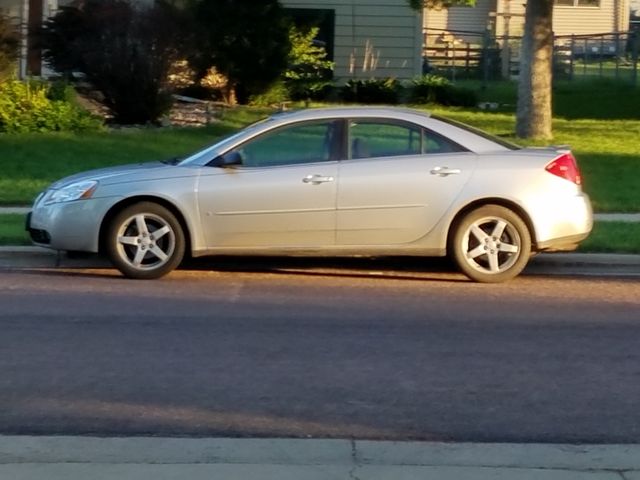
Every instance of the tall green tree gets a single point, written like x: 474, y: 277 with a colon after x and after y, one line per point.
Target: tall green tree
x: 245, y: 40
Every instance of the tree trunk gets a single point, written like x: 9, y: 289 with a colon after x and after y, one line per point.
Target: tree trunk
x: 533, y: 118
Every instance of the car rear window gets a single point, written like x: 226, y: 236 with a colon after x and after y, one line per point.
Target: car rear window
x: 500, y: 141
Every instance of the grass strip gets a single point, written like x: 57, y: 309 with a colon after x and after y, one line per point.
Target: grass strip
x: 12, y: 230
x: 606, y: 237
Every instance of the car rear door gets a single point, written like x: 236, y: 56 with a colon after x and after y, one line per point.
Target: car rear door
x: 397, y: 182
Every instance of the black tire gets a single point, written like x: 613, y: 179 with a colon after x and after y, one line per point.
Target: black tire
x: 145, y: 241
x: 491, y: 244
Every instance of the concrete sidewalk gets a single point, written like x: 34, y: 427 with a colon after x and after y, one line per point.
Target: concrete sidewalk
x: 91, y: 458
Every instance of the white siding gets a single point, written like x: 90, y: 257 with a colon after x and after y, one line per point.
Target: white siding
x: 373, y: 38
x: 459, y: 19
x: 610, y: 16
x: 10, y: 8
x: 584, y: 20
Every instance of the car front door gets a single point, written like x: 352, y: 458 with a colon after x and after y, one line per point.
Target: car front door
x: 397, y: 182
x: 282, y: 193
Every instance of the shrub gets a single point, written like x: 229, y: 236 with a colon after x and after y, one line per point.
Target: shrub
x: 276, y: 94
x: 383, y: 90
x: 9, y: 45
x: 309, y: 73
x: 435, y: 89
x: 125, y: 51
x: 26, y: 107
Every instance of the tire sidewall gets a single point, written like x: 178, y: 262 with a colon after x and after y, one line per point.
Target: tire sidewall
x: 112, y: 244
x: 458, y: 253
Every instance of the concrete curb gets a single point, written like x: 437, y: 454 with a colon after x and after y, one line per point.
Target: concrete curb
x: 89, y: 457
x: 547, y: 264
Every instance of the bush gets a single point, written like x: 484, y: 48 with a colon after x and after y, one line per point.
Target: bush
x: 276, y: 94
x: 383, y: 90
x: 308, y: 76
x: 436, y: 89
x: 26, y: 107
x: 125, y: 51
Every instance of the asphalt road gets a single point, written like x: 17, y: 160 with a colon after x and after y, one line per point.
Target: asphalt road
x: 285, y: 348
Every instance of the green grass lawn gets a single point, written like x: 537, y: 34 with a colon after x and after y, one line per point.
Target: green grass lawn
x: 12, y: 230
x: 608, y: 151
x: 30, y: 162
x: 617, y: 237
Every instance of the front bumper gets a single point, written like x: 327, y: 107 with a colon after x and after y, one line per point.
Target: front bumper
x: 71, y: 226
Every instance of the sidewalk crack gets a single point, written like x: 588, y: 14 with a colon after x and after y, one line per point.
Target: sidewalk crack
x: 356, y: 464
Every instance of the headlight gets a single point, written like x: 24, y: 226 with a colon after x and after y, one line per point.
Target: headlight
x: 74, y: 191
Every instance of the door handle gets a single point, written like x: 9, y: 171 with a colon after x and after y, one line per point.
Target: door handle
x: 316, y: 179
x: 445, y: 171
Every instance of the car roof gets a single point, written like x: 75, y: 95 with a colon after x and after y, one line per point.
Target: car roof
x: 351, y: 111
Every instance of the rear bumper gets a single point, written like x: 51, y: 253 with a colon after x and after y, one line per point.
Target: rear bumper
x: 563, y: 223
x: 565, y: 244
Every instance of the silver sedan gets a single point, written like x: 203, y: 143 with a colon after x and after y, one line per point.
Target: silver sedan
x: 335, y: 181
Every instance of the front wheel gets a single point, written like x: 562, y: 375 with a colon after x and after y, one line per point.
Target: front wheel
x: 145, y: 241
x: 491, y: 244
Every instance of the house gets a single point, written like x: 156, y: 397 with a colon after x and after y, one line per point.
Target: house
x: 364, y: 38
x: 506, y: 17
x: 28, y: 15
x: 369, y: 38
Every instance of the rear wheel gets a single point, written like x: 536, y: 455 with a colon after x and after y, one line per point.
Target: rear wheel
x: 145, y: 241
x: 491, y: 244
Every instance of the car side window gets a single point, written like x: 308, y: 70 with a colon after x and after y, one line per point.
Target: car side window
x: 307, y: 142
x: 434, y: 143
x: 370, y: 138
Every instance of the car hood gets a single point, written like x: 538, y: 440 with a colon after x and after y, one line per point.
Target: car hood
x: 127, y: 173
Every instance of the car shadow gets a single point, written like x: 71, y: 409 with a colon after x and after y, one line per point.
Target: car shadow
x: 390, y: 268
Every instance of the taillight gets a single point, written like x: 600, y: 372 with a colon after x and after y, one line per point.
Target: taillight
x: 565, y: 166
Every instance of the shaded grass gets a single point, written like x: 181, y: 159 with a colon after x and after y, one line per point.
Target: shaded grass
x: 12, y: 230
x: 608, y: 237
x: 619, y: 237
x: 603, y: 98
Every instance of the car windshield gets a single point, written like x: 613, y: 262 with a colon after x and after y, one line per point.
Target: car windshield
x: 500, y: 141
x: 222, y: 144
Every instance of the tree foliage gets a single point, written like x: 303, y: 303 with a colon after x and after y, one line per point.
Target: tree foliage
x: 308, y: 71
x: 124, y: 49
x: 9, y: 46
x: 246, y: 41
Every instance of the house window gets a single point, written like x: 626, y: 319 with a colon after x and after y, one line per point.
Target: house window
x: 577, y: 3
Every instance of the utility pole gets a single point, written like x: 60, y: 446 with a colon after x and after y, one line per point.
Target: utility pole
x: 24, y: 35
x: 505, y: 55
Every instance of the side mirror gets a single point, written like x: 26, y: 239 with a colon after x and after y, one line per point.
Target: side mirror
x: 228, y: 159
